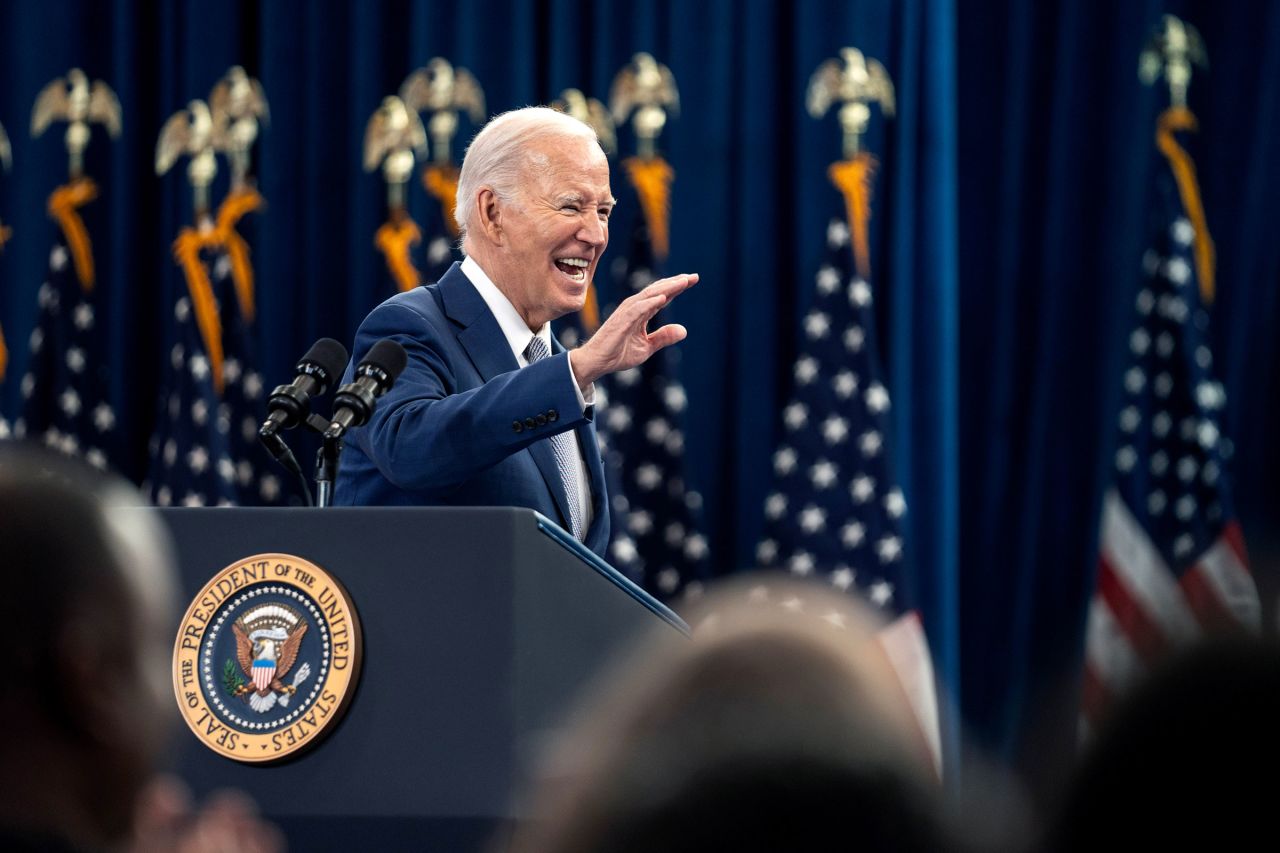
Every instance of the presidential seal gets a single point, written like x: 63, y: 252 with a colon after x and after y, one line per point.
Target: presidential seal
x: 267, y: 658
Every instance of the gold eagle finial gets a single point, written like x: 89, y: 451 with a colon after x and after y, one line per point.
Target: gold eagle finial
x: 78, y: 102
x: 189, y: 131
x: 391, y: 138
x: 856, y: 82
x: 592, y: 113
x: 237, y: 103
x: 1172, y: 49
x: 445, y: 91
x: 646, y: 91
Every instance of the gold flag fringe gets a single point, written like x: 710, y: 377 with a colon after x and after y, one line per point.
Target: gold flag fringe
x: 234, y: 207
x: 1170, y: 122
x: 853, y: 179
x: 393, y: 239
x: 442, y: 183
x: 186, y: 250
x: 64, y: 204
x: 652, y: 177
x: 221, y: 235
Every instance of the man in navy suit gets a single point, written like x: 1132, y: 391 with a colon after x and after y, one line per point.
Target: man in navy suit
x: 491, y: 410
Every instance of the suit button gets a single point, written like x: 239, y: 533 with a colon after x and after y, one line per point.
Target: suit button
x: 540, y: 420
x: 552, y: 416
x: 530, y: 423
x: 517, y: 426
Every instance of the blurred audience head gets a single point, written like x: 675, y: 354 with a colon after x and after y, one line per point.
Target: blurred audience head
x: 1185, y: 760
x: 778, y: 726
x: 85, y: 624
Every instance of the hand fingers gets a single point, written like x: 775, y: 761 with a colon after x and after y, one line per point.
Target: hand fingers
x: 670, y: 334
x: 643, y: 305
x: 672, y: 285
x: 635, y: 312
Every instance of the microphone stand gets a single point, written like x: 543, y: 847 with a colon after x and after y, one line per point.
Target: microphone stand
x: 326, y: 460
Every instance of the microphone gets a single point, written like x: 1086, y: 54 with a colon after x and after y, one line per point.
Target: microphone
x: 289, y: 404
x: 354, y: 402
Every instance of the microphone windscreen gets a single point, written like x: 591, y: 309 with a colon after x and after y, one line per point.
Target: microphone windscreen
x: 388, y: 356
x: 328, y: 355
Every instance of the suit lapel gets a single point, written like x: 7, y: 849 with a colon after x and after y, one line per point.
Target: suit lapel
x: 481, y: 336
x: 594, y: 464
x: 595, y: 472
x: 545, y: 458
x: 487, y: 347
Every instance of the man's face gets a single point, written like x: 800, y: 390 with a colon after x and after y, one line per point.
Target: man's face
x: 555, y: 230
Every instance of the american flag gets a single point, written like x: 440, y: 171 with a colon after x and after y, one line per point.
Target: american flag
x: 65, y: 401
x: 835, y: 510
x: 199, y: 448
x: 656, y: 533
x: 1172, y: 560
x: 440, y: 234
x: 258, y: 479
x: 400, y: 236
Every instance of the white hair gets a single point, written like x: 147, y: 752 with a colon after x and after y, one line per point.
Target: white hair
x: 500, y: 153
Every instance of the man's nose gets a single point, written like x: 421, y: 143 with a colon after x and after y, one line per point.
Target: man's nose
x: 594, y: 230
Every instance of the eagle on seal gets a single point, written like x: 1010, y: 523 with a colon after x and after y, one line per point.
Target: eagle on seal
x: 266, y: 655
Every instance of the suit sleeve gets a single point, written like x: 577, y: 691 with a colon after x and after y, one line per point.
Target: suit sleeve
x: 426, y: 435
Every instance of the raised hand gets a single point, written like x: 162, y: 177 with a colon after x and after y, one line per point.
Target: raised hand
x: 624, y: 340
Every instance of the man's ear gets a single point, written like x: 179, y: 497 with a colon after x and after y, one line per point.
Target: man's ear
x: 489, y: 214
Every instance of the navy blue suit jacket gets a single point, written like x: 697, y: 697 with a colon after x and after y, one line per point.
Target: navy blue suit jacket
x: 464, y: 424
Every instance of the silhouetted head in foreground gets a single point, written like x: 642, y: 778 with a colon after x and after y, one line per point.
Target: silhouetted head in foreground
x: 776, y: 727
x: 1186, y: 761
x: 85, y: 703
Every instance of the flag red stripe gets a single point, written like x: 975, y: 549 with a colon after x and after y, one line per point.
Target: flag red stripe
x: 1094, y: 695
x: 1234, y: 537
x: 1203, y: 599
x: 1143, y: 632
x: 917, y: 725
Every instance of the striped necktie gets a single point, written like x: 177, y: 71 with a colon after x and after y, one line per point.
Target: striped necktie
x: 565, y: 449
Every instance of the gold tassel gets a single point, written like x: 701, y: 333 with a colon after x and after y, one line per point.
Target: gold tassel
x: 590, y: 312
x: 63, y: 205
x: 853, y: 179
x: 393, y: 239
x: 1171, y: 121
x: 442, y: 183
x: 5, y: 234
x: 235, y: 206
x: 186, y: 249
x: 652, y: 179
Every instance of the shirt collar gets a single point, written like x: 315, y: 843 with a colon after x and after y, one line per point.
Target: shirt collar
x: 513, y: 327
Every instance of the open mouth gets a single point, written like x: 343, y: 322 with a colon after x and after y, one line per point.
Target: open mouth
x: 574, y: 268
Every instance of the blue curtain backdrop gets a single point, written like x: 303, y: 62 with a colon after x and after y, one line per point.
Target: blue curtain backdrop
x: 1006, y: 243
